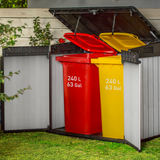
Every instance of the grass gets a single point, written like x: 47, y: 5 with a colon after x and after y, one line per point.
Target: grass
x: 47, y: 146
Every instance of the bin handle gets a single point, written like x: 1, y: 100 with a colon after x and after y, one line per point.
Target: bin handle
x: 95, y: 36
x: 135, y: 37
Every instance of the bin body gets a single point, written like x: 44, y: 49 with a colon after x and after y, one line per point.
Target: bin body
x: 112, y: 95
x: 82, y: 98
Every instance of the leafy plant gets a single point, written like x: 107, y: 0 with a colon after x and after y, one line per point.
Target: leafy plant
x: 8, y: 36
x: 43, y: 36
x: 5, y: 97
x: 13, y: 3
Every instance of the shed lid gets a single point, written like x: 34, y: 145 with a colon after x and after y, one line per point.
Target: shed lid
x: 96, y: 20
x: 150, y: 50
x: 89, y: 43
x: 121, y: 41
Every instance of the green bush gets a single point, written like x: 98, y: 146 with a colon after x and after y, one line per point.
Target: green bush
x: 43, y: 36
x: 13, y: 3
x: 9, y: 34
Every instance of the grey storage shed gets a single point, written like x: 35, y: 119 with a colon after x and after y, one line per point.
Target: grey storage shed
x: 98, y: 20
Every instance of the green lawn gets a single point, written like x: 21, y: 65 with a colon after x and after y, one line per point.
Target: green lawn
x: 42, y: 145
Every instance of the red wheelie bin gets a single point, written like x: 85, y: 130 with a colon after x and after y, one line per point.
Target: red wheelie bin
x: 81, y: 84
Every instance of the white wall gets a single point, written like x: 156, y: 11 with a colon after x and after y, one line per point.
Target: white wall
x: 153, y: 15
x: 27, y: 15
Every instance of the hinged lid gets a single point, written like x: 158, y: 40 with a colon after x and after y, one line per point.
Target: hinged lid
x: 90, y: 43
x: 150, y: 50
x: 96, y: 20
x: 121, y: 41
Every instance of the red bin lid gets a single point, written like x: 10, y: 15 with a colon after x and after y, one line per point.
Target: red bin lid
x: 90, y: 43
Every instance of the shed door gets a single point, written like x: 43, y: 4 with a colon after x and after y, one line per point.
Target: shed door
x: 132, y: 85
x: 57, y: 93
x: 31, y: 110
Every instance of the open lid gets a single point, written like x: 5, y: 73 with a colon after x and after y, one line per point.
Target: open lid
x: 121, y: 41
x: 90, y: 43
x: 96, y: 20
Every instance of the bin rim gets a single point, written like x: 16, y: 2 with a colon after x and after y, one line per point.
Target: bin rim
x: 112, y: 60
x: 81, y: 58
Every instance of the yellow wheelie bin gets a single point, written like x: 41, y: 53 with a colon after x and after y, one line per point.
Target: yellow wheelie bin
x: 111, y: 94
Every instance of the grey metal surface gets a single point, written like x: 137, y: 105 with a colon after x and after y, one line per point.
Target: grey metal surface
x: 150, y: 50
x: 57, y: 93
x: 132, y: 104
x: 25, y: 51
x: 150, y: 97
x: 92, y: 3
x: 30, y: 110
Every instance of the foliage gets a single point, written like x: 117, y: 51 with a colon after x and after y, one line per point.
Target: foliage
x: 13, y: 3
x: 8, y: 34
x: 43, y: 36
x: 5, y: 97
x: 46, y: 146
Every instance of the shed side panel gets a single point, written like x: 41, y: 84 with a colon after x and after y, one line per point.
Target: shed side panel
x: 150, y: 93
x: 30, y: 110
x: 145, y: 100
x: 132, y: 104
x: 57, y: 93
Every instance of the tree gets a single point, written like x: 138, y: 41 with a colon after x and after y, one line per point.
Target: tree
x: 13, y: 3
x: 8, y: 36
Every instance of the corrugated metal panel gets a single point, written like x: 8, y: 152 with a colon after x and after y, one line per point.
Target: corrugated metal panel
x: 150, y: 97
x: 156, y: 96
x: 57, y: 93
x: 145, y: 98
x: 132, y: 104
x: 31, y: 110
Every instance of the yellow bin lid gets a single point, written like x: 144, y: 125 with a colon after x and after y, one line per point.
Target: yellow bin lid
x: 108, y: 60
x: 121, y: 41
